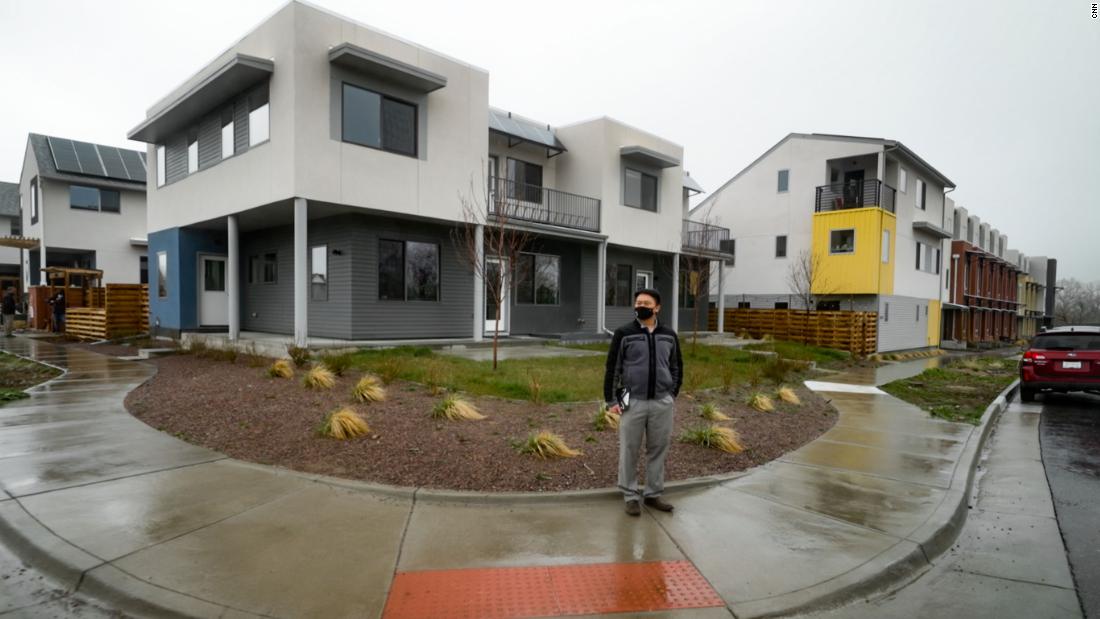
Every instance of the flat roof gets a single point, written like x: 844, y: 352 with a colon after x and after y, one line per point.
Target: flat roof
x: 648, y: 156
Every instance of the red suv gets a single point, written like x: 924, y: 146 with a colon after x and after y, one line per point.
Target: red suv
x: 1061, y: 359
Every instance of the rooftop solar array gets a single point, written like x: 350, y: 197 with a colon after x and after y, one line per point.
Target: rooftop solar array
x: 97, y: 160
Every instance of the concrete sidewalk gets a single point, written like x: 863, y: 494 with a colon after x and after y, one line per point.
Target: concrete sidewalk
x: 152, y: 525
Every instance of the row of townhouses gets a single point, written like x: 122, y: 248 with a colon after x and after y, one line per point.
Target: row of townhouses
x: 312, y: 180
x: 870, y: 226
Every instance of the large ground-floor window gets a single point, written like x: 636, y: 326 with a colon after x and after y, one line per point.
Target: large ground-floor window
x: 538, y: 279
x: 408, y: 270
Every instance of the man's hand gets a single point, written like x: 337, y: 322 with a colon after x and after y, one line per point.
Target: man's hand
x: 615, y: 409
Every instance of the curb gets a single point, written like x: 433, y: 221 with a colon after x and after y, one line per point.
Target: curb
x: 910, y: 557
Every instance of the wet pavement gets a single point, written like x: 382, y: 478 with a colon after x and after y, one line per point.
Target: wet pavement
x: 144, y: 521
x: 1009, y: 561
x: 1070, y: 435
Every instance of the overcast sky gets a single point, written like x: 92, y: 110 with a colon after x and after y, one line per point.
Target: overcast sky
x: 1002, y: 97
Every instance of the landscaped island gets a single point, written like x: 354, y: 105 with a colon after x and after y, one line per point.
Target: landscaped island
x: 958, y: 390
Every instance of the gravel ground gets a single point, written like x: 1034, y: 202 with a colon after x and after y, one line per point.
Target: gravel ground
x: 238, y: 410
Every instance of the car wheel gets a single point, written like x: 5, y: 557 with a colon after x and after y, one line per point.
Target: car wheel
x: 1027, y: 395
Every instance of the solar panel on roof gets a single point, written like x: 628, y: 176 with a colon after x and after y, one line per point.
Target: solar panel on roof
x: 112, y: 162
x: 135, y: 164
x: 64, y: 155
x: 89, y: 159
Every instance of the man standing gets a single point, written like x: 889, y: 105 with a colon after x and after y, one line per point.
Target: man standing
x: 7, y: 311
x: 643, y: 376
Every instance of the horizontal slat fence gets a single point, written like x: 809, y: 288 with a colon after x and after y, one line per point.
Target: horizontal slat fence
x: 856, y: 332
x: 124, y: 312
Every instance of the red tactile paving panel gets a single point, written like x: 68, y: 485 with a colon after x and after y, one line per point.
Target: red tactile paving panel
x: 512, y: 592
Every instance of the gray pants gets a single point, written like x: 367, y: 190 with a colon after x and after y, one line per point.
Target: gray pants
x: 653, y: 419
x: 9, y: 323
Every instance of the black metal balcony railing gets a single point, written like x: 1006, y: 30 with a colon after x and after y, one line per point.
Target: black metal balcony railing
x: 701, y: 236
x: 855, y: 194
x: 534, y: 203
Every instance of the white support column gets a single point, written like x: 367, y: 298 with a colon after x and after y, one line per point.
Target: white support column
x: 601, y: 286
x: 479, y: 285
x: 676, y: 291
x: 721, y: 297
x: 301, y: 273
x: 233, y: 278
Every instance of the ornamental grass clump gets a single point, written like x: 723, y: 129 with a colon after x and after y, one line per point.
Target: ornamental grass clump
x: 455, y: 408
x: 368, y: 389
x: 281, y: 369
x: 545, y: 444
x: 715, y: 437
x: 344, y: 424
x: 789, y: 396
x: 319, y: 377
x: 710, y: 412
x: 338, y: 362
x: 762, y: 403
x: 604, y: 419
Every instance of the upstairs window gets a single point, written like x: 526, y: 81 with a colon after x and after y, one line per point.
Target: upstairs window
x: 640, y: 190
x: 921, y: 195
x: 842, y: 241
x: 885, y: 246
x: 34, y: 200
x: 162, y: 175
x: 375, y: 120
x: 228, y: 135
x: 781, y: 246
x: 94, y: 199
x: 784, y: 181
x: 524, y: 181
x: 192, y: 154
x: 259, y: 118
x: 903, y: 179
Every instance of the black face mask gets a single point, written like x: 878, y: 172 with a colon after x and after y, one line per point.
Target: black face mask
x: 643, y: 313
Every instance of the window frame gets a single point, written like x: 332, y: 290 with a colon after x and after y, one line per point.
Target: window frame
x: 777, y: 239
x: 520, y: 189
x: 34, y: 200
x: 382, y: 97
x: 832, y: 244
x: 404, y: 270
x: 98, y: 207
x: 903, y: 180
x: 611, y: 281
x: 641, y: 190
x: 256, y: 271
x: 532, y: 280
x: 162, y: 275
x: 231, y: 126
x: 648, y: 279
x: 885, y: 246
x: 162, y: 165
x: 783, y: 181
x: 192, y: 153
x: 921, y: 195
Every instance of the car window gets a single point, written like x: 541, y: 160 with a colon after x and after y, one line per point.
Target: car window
x: 1067, y: 341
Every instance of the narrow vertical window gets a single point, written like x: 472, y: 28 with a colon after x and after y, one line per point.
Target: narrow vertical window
x: 192, y: 154
x: 258, y: 119
x: 920, y: 194
x: 784, y: 180
x: 162, y: 274
x: 903, y: 179
x: 781, y: 246
x: 885, y: 246
x: 228, y: 135
x: 318, y: 273
x: 161, y: 166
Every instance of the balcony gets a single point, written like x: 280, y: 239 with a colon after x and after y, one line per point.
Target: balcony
x: 855, y: 194
x: 536, y: 204
x: 700, y: 237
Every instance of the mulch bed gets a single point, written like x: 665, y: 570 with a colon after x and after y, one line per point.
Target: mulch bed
x: 238, y: 410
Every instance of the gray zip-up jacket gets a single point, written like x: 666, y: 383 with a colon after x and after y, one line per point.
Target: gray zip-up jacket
x: 646, y: 365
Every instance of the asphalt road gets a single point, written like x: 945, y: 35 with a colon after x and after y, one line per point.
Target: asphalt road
x: 1070, y: 437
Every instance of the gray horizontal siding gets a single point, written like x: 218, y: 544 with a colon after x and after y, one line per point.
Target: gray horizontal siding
x: 907, y: 325
x: 567, y: 315
x: 175, y: 158
x: 590, y: 297
x: 210, y: 141
x: 660, y: 266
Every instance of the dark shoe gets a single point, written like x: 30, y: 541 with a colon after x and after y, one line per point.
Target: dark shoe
x: 633, y: 509
x: 656, y: 503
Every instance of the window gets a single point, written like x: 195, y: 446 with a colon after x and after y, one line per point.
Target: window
x: 886, y: 247
x: 782, y: 305
x: 639, y: 190
x: 227, y: 137
x: 903, y: 179
x: 94, y: 199
x: 263, y: 269
x: 784, y: 180
x: 213, y: 279
x: 732, y: 260
x: 259, y: 118
x: 643, y: 279
x: 538, y: 279
x: 920, y: 194
x: 916, y: 318
x: 842, y: 241
x: 192, y: 154
x: 318, y: 273
x: 162, y: 274
x: 34, y: 200
x: 885, y: 312
x: 408, y: 271
x: 828, y: 306
x: 524, y: 181
x: 161, y: 166
x: 938, y: 260
x: 781, y: 246
x: 143, y: 269
x: 375, y: 120
x: 920, y: 254
x: 689, y: 285
x: 744, y: 305
x: 617, y: 286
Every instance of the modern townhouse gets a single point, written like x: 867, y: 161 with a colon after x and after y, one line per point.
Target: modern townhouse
x: 981, y: 307
x: 310, y: 181
x: 10, y: 231
x: 1030, y: 295
x: 83, y: 206
x: 867, y: 213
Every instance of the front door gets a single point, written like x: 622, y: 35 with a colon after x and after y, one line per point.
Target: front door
x: 496, y: 271
x: 213, y: 298
x: 853, y: 188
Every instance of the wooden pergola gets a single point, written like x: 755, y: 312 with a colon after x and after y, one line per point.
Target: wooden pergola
x: 19, y: 242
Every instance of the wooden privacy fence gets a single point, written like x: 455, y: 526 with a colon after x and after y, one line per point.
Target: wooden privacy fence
x: 124, y: 312
x: 856, y: 332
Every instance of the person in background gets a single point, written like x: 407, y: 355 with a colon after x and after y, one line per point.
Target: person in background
x: 59, y: 312
x: 7, y: 311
